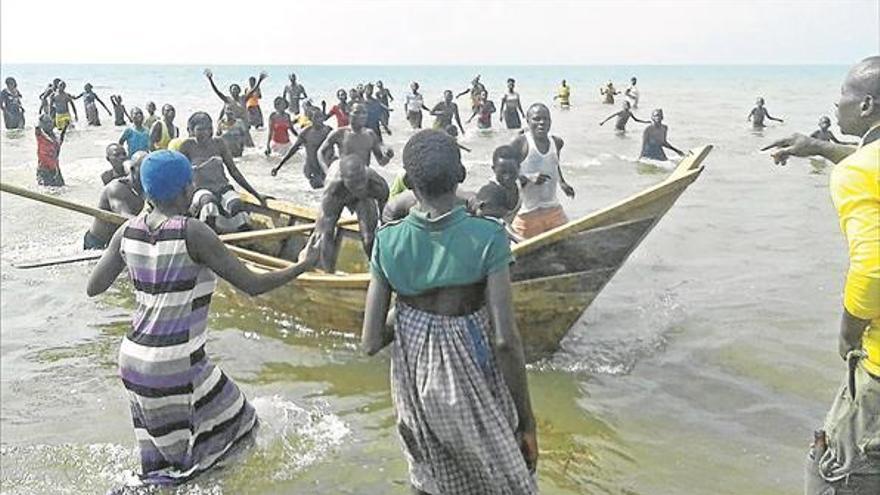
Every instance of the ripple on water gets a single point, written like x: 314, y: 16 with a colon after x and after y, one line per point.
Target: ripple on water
x: 290, y: 439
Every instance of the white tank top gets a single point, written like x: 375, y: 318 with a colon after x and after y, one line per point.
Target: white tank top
x: 535, y: 196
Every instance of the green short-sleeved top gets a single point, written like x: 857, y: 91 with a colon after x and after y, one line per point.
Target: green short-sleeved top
x: 418, y: 254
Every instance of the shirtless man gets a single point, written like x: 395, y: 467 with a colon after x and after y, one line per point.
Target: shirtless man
x: 375, y: 112
x: 293, y: 93
x: 758, y: 114
x: 61, y: 104
x: 445, y: 111
x: 475, y: 91
x: 10, y: 105
x: 46, y: 96
x: 164, y: 130
x: 623, y: 117
x: 116, y: 157
x: 311, y: 138
x: 89, y: 98
x: 122, y: 195
x: 385, y: 98
x: 237, y: 101
x: 608, y: 92
x: 354, y: 185
x: 214, y: 202
x: 354, y: 139
x: 823, y: 133
x: 632, y: 93
x: 654, y: 139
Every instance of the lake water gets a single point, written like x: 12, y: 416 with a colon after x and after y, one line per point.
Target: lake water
x: 703, y: 367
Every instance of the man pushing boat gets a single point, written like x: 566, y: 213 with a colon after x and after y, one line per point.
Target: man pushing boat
x: 123, y: 195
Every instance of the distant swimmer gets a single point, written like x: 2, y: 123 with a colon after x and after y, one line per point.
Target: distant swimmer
x: 62, y: 105
x: 563, y: 95
x: 475, y: 90
x: 608, y: 92
x: 311, y: 138
x: 164, y: 130
x: 122, y: 195
x: 623, y: 117
x: 511, y: 106
x: 48, y: 151
x: 231, y: 128
x: 758, y: 114
x: 362, y: 190
x: 151, y: 115
x: 89, y: 98
x: 445, y: 112
x: 119, y: 111
x: 252, y: 104
x: 654, y: 139
x: 137, y: 137
x: 484, y: 109
x: 116, y: 156
x: 538, y: 155
x: 355, y: 139
x: 632, y: 93
x: 215, y: 202
x: 823, y: 133
x: 414, y: 104
x: 500, y: 198
x: 10, y: 105
x: 341, y: 109
x: 293, y: 93
x: 280, y: 129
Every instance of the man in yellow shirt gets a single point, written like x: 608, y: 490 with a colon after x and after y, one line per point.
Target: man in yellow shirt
x: 845, y: 456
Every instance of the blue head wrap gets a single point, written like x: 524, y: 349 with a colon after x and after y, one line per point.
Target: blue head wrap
x: 164, y: 174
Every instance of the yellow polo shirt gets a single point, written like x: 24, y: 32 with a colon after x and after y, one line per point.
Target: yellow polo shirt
x: 855, y: 190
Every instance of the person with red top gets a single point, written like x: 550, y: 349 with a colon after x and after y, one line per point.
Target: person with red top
x: 280, y: 128
x: 48, y: 149
x: 340, y: 110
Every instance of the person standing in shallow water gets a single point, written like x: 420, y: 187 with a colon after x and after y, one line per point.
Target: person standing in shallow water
x: 623, y: 117
x: 823, y: 133
x: 458, y: 379
x: 10, y: 105
x: 511, y: 106
x: 654, y: 139
x: 445, y: 111
x: 293, y: 93
x: 414, y: 104
x: 758, y: 114
x: 845, y: 455
x: 540, y: 174
x: 563, y: 95
x: 188, y: 415
x: 89, y: 98
x: 48, y: 150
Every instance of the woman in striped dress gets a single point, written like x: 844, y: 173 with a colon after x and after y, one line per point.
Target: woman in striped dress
x: 458, y: 377
x: 187, y: 413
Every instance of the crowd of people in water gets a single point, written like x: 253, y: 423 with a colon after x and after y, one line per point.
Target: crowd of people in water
x: 458, y: 375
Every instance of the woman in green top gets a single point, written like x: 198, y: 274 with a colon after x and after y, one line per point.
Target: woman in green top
x: 458, y: 376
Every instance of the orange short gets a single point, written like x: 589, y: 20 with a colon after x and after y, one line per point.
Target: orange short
x: 538, y: 221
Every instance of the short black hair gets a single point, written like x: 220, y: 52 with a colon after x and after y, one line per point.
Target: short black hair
x: 432, y: 162
x: 505, y: 152
x: 199, y: 118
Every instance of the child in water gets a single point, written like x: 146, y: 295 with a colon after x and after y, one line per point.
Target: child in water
x: 48, y: 149
x: 499, y: 198
x: 119, y: 112
x: 137, y: 137
x: 824, y: 133
x: 280, y: 128
x: 151, y: 115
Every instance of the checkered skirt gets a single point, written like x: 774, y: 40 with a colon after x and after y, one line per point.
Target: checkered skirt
x: 456, y: 418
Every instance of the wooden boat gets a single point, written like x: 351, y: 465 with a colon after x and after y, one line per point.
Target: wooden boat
x: 555, y: 278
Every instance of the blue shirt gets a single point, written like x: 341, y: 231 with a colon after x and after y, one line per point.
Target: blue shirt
x: 136, y: 140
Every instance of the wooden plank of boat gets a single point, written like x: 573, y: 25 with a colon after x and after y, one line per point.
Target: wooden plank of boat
x: 557, y: 275
x: 61, y: 260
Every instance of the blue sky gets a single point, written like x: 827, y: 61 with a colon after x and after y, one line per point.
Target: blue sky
x: 427, y: 32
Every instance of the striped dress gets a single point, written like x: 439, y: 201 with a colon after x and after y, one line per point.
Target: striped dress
x: 187, y: 413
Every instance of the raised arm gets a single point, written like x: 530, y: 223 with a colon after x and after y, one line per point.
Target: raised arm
x: 459, y: 95
x: 210, y: 76
x: 511, y: 359
x: 206, y: 248
x: 256, y: 87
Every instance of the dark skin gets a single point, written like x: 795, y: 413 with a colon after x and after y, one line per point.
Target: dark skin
x: 858, y: 114
x: 168, y: 114
x: 354, y: 139
x: 823, y: 133
x: 47, y: 127
x: 122, y: 197
x: 446, y: 111
x: 88, y: 91
x: 361, y: 189
x: 498, y: 200
x: 511, y: 86
x: 203, y: 146
x: 608, y: 92
x: 623, y: 117
x: 235, y: 99
x: 279, y: 113
x: 495, y: 292
x: 539, y: 121
x: 655, y: 136
x: 311, y: 138
x: 63, y: 102
x: 758, y: 114
x: 205, y: 248
x: 119, y: 108
x: 116, y: 156
x: 293, y: 93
